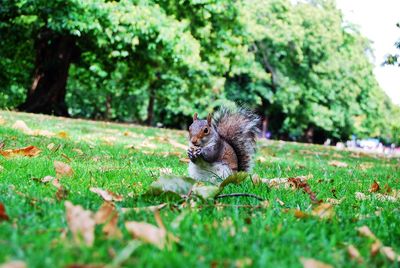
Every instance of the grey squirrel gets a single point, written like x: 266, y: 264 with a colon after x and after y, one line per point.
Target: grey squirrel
x: 222, y: 145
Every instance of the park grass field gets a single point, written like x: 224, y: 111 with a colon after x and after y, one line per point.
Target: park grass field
x: 229, y: 232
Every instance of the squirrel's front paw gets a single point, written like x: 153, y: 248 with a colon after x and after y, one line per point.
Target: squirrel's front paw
x: 194, y: 153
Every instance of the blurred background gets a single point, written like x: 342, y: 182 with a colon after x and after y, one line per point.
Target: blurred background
x: 320, y: 71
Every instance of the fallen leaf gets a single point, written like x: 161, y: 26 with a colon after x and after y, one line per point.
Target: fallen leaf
x: 81, y: 223
x: 106, y: 195
x: 184, y: 160
x: 336, y: 163
x: 334, y: 201
x: 63, y: 169
x: 13, y: 264
x: 171, y: 184
x: 354, y: 254
x: 22, y: 126
x: 30, y: 151
x: 384, y: 197
x: 3, y: 214
x: 61, y: 193
x: 205, y: 191
x: 366, y: 232
x: 323, y: 211
x: 255, y: 179
x: 108, y: 214
x: 374, y: 187
x: 375, y: 247
x: 312, y: 263
x: 280, y: 202
x: 78, y: 151
x: 148, y: 233
x: 365, y: 166
x: 47, y: 179
x: 62, y: 134
x: 235, y: 178
x: 278, y: 182
x: 361, y: 196
x: 301, y: 184
x: 300, y: 214
x: 389, y: 253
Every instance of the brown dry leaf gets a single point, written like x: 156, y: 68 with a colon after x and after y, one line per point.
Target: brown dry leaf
x: 300, y: 214
x: 30, y: 151
x: 108, y: 214
x: 298, y: 183
x: 312, y: 263
x: 13, y: 264
x: 184, y: 160
x: 374, y: 187
x: 47, y: 179
x: 334, y: 201
x: 61, y: 191
x: 78, y: 151
x: 323, y: 211
x: 278, y: 182
x: 63, y: 169
x: 361, y: 196
x: 81, y: 223
x: 389, y: 253
x: 147, y: 232
x: 106, y: 195
x: 336, y: 163
x: 375, y: 248
x: 280, y: 202
x: 255, y: 179
x: 22, y: 126
x: 366, y: 232
x: 62, y: 134
x: 365, y: 166
x: 354, y: 254
x: 3, y: 214
x: 50, y: 146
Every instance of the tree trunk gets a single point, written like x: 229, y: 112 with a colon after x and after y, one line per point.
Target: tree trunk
x: 54, y: 54
x: 150, y: 107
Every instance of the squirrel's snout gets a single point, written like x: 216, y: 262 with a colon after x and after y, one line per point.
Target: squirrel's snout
x: 194, y: 141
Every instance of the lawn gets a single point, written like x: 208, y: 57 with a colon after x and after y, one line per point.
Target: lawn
x: 230, y: 232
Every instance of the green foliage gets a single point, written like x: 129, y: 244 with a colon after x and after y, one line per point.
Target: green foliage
x: 297, y: 64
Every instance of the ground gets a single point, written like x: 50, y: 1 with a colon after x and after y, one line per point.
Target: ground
x: 230, y: 232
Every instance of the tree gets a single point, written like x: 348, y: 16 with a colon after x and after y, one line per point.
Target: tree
x: 394, y: 59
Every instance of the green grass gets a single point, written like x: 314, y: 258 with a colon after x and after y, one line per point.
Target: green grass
x: 113, y: 159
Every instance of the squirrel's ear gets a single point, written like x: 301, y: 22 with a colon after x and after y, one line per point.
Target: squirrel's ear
x: 195, y: 117
x: 209, y: 119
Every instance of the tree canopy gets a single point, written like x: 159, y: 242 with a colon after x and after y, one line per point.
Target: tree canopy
x: 298, y: 64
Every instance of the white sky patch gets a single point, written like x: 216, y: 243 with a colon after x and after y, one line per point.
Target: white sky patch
x: 377, y: 21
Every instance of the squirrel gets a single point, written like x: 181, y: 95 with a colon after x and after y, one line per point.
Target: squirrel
x: 222, y: 145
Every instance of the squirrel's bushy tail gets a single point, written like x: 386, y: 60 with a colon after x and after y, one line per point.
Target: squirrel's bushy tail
x: 239, y: 127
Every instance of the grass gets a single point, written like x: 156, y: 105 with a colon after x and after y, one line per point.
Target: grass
x: 125, y: 159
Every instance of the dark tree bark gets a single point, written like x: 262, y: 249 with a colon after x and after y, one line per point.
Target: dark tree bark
x: 150, y: 107
x: 54, y: 55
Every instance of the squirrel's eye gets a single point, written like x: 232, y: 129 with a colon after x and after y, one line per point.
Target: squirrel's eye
x: 205, y: 130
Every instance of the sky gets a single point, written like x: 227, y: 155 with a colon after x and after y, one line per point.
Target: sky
x: 377, y: 21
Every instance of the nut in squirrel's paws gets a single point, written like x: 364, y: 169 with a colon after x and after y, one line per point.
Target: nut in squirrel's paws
x: 194, y: 152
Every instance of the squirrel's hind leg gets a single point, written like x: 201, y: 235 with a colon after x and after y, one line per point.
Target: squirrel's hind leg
x: 209, y: 172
